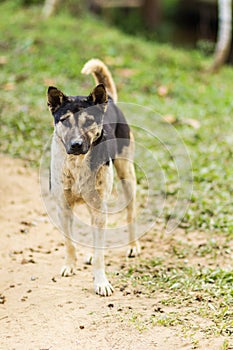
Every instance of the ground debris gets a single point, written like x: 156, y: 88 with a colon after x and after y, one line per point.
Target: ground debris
x: 27, y: 261
x: 2, y: 299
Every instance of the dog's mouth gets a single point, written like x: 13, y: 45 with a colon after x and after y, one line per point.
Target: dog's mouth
x: 77, y: 147
x: 77, y: 153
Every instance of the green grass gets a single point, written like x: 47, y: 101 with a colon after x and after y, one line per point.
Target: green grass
x: 184, y: 293
x: 38, y: 53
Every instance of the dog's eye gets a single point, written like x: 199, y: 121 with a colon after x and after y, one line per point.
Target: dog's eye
x: 64, y: 117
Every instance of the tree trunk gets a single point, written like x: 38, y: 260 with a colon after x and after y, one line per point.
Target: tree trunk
x: 152, y: 13
x: 49, y: 7
x: 224, y: 34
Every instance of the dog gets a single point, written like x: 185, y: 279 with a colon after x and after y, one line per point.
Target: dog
x: 91, y: 136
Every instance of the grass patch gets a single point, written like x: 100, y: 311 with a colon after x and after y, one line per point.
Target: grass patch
x: 184, y: 294
x: 36, y: 53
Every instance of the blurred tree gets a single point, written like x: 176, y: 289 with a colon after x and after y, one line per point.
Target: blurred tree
x: 49, y: 7
x: 150, y: 9
x: 224, y: 34
x: 152, y: 13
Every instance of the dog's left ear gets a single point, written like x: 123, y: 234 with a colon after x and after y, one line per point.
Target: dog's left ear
x: 99, y: 95
x: 55, y: 98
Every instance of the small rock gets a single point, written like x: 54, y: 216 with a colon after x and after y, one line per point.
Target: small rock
x: 126, y: 292
x: 26, y: 223
x: 24, y: 230
x: 27, y: 261
x: 158, y: 309
x: 2, y: 299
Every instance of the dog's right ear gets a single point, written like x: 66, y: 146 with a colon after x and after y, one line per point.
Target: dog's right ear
x: 55, y: 98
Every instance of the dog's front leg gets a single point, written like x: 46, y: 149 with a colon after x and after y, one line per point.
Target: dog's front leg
x: 65, y: 216
x: 101, y: 284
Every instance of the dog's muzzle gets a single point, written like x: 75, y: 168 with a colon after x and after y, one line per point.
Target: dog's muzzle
x: 77, y: 147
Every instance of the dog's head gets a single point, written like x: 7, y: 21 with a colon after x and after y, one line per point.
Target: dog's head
x: 78, y: 120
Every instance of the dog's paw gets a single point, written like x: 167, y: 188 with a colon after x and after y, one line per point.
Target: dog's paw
x: 134, y: 250
x: 67, y: 270
x: 103, y: 287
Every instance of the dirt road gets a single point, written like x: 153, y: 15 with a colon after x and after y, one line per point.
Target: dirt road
x: 41, y: 310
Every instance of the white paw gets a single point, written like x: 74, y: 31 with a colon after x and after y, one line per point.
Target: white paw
x: 134, y: 250
x: 67, y: 270
x: 103, y: 287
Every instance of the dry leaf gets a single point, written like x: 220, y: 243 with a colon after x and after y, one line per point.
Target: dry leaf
x: 193, y: 123
x: 3, y: 60
x: 170, y: 118
x: 162, y: 91
x: 112, y: 61
x: 126, y: 72
x: 49, y: 82
x: 9, y: 86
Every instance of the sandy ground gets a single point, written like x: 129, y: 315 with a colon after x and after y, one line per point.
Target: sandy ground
x: 41, y: 310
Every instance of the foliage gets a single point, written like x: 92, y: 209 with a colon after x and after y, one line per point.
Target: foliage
x: 36, y: 53
x: 184, y: 293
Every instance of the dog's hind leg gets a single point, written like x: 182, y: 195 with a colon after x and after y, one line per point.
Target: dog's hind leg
x: 125, y: 171
x: 65, y: 216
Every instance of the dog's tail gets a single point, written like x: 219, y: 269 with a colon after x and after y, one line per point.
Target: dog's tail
x: 102, y: 75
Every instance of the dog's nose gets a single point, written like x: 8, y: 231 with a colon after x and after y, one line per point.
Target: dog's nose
x: 76, y: 144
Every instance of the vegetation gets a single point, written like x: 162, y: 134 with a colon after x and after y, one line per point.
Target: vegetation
x: 183, y: 293
x: 172, y: 82
x: 37, y: 53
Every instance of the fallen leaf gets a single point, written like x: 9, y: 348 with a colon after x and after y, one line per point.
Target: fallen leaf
x: 9, y: 86
x: 49, y: 82
x: 170, y: 118
x: 162, y: 91
x: 111, y: 61
x: 193, y: 123
x: 126, y: 72
x: 3, y: 60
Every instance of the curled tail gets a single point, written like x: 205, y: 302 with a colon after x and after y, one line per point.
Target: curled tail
x: 102, y: 75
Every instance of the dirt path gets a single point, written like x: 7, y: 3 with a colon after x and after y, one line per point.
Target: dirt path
x: 41, y: 310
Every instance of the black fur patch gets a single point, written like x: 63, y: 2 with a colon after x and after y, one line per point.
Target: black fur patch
x: 72, y: 104
x: 115, y: 136
x: 103, y: 149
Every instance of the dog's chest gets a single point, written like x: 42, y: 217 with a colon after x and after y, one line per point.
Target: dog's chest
x: 84, y: 184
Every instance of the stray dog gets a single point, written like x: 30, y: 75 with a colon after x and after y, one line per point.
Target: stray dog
x: 90, y: 135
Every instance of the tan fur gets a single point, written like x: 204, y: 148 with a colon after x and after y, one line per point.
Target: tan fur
x: 74, y: 182
x: 102, y: 75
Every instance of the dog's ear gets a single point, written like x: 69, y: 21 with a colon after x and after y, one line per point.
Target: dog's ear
x: 99, y: 95
x: 55, y: 98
